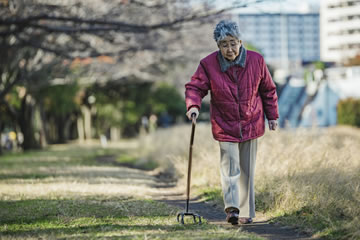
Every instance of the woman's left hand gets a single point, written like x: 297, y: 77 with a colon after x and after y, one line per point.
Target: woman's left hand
x: 273, y: 124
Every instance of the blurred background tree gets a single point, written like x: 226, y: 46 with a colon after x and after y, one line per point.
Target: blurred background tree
x: 59, y: 109
x: 349, y: 112
x: 77, y: 69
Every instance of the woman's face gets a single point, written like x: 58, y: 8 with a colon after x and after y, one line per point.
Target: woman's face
x: 229, y: 47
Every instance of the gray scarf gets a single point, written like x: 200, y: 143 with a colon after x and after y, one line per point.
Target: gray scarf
x: 239, y: 60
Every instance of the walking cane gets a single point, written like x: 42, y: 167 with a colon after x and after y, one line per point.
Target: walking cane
x: 187, y: 213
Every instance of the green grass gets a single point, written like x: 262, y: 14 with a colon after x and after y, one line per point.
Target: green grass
x: 73, y: 155
x: 37, y: 165
x: 96, y: 217
x: 63, y: 213
x: 209, y: 194
x: 129, y: 160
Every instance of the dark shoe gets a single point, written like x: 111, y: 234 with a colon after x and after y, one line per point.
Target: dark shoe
x: 232, y: 217
x: 244, y: 220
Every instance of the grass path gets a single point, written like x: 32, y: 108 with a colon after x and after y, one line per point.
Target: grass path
x: 76, y: 192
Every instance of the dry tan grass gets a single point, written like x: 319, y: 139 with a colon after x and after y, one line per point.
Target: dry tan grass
x: 307, y: 171
x: 170, y: 147
x: 314, y: 170
x: 30, y: 178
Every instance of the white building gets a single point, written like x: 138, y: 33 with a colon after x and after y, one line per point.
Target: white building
x: 340, y: 29
x: 283, y: 38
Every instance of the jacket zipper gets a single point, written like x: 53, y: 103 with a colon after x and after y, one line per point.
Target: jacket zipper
x: 237, y: 81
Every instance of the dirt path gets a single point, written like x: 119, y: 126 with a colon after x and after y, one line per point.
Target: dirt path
x: 165, y: 190
x: 214, y: 215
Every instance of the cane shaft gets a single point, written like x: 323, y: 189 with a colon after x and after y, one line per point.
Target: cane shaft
x: 190, y: 163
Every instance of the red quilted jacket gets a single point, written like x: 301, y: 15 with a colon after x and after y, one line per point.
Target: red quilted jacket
x: 239, y: 96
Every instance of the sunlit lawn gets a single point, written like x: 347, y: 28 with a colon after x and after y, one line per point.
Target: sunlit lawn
x: 64, y: 192
x: 101, y: 218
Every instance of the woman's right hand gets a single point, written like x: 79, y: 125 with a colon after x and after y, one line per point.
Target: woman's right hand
x: 193, y: 110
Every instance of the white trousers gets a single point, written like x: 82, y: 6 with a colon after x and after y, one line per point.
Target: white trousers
x: 237, y: 168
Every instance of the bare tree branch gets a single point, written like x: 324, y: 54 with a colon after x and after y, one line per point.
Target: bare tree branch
x: 107, y: 25
x: 10, y: 85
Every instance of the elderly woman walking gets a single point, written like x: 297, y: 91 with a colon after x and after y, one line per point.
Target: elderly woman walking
x: 242, y: 91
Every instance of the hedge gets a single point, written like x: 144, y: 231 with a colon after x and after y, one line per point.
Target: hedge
x: 348, y: 112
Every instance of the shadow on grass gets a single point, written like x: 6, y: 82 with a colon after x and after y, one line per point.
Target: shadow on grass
x: 128, y: 161
x: 35, y: 210
x: 81, y: 163
x: 83, y: 218
x: 308, y: 223
x: 123, y: 231
x: 80, y: 172
x: 67, y: 154
x: 213, y: 212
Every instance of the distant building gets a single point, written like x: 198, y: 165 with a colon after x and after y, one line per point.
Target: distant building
x: 283, y: 38
x: 291, y: 102
x: 340, y: 83
x: 340, y: 29
x: 301, y: 106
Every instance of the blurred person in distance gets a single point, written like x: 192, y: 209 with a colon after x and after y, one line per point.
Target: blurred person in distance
x: 242, y: 91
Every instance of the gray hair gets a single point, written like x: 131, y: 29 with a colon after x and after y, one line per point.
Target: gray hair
x: 226, y: 28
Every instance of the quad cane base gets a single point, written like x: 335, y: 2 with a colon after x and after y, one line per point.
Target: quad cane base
x: 181, y: 216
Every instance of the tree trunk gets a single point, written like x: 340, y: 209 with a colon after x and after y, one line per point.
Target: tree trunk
x: 44, y: 136
x: 87, y: 122
x: 67, y: 125
x: 60, y: 125
x: 26, y: 123
x: 114, y: 134
x: 1, y: 130
x: 63, y: 128
x: 73, y: 132
x: 80, y: 128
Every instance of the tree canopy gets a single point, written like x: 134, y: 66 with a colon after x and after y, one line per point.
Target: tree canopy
x: 54, y: 51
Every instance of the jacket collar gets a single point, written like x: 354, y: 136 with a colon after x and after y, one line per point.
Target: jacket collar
x: 239, y: 60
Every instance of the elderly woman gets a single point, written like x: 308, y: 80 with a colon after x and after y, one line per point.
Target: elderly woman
x: 242, y: 91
